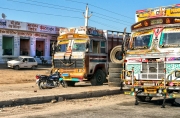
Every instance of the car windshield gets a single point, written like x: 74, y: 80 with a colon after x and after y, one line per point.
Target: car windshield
x: 78, y: 47
x: 169, y: 40
x: 141, y: 42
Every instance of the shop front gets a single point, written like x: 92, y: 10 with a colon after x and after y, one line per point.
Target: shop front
x: 26, y: 39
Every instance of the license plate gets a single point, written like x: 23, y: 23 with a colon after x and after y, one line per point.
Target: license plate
x: 149, y: 84
x: 127, y: 92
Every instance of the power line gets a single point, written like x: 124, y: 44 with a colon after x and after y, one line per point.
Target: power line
x: 104, y: 24
x: 101, y: 9
x: 111, y: 11
x: 54, y: 14
x: 42, y: 5
x: 54, y: 5
x: 68, y: 10
x: 111, y: 20
x: 40, y: 13
x: 76, y: 1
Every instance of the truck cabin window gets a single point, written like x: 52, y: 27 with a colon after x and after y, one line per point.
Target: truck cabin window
x: 141, y: 42
x: 61, y: 48
x: 169, y: 40
x: 79, y: 47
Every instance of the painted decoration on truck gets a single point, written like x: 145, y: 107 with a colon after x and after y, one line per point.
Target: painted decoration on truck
x: 160, y: 21
x: 173, y: 10
x: 137, y: 68
x: 171, y: 67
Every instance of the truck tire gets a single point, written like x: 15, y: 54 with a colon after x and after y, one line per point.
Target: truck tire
x: 116, y: 55
x: 98, y: 78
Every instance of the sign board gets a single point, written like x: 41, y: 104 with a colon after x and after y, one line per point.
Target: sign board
x: 46, y: 29
x: 3, y: 23
x: 173, y: 10
x: 94, y: 32
x: 11, y: 24
x: 32, y: 27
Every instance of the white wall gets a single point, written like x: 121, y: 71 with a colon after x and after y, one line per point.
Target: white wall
x: 16, y: 45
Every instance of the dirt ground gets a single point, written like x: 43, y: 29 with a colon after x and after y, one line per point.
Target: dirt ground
x: 11, y: 76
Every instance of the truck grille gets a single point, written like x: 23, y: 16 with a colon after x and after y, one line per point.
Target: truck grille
x: 77, y: 63
x: 152, y: 70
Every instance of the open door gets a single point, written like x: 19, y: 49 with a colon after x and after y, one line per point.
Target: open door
x: 40, y: 48
x: 24, y: 46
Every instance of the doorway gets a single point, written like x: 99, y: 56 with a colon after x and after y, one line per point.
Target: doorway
x: 8, y: 45
x: 40, y: 48
x: 24, y: 46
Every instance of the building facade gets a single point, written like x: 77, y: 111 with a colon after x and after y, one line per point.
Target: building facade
x: 22, y: 38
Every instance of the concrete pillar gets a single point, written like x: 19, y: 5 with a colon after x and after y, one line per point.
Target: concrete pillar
x: 47, y: 47
x: 32, y: 46
x: 16, y: 45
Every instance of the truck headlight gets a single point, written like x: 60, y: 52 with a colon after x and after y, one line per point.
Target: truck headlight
x: 160, y: 91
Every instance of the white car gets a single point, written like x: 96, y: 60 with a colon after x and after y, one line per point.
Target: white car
x: 23, y: 62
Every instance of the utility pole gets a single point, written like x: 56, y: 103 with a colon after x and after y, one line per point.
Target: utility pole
x: 86, y: 16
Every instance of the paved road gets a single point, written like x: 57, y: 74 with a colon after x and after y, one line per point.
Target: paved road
x: 117, y: 106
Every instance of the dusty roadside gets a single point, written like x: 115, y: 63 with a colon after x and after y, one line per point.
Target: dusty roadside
x: 11, y: 76
x: 16, y: 84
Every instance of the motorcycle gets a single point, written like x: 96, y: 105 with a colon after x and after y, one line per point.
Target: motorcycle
x: 50, y: 81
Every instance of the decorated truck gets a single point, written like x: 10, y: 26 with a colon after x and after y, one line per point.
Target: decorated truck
x: 82, y: 54
x: 152, y: 57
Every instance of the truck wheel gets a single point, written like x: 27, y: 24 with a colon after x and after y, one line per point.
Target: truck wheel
x: 116, y: 55
x: 16, y: 67
x: 98, y: 78
x: 144, y: 98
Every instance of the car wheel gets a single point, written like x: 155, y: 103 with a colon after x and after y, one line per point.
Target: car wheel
x: 16, y: 67
x: 33, y: 67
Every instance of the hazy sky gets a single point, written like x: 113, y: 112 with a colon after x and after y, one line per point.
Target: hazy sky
x: 106, y: 14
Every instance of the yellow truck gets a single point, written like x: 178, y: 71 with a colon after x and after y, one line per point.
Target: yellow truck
x: 82, y: 54
x: 152, y: 57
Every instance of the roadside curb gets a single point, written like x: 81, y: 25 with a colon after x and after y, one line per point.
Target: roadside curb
x: 58, y: 98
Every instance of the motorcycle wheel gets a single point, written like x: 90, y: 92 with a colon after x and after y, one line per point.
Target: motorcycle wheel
x: 42, y: 85
x: 57, y: 83
x: 63, y: 83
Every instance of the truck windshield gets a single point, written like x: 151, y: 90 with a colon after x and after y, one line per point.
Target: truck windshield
x: 78, y: 47
x: 170, y: 40
x: 61, y: 48
x: 141, y: 42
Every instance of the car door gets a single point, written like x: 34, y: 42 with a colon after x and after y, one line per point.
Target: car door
x: 24, y: 63
x: 31, y: 62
